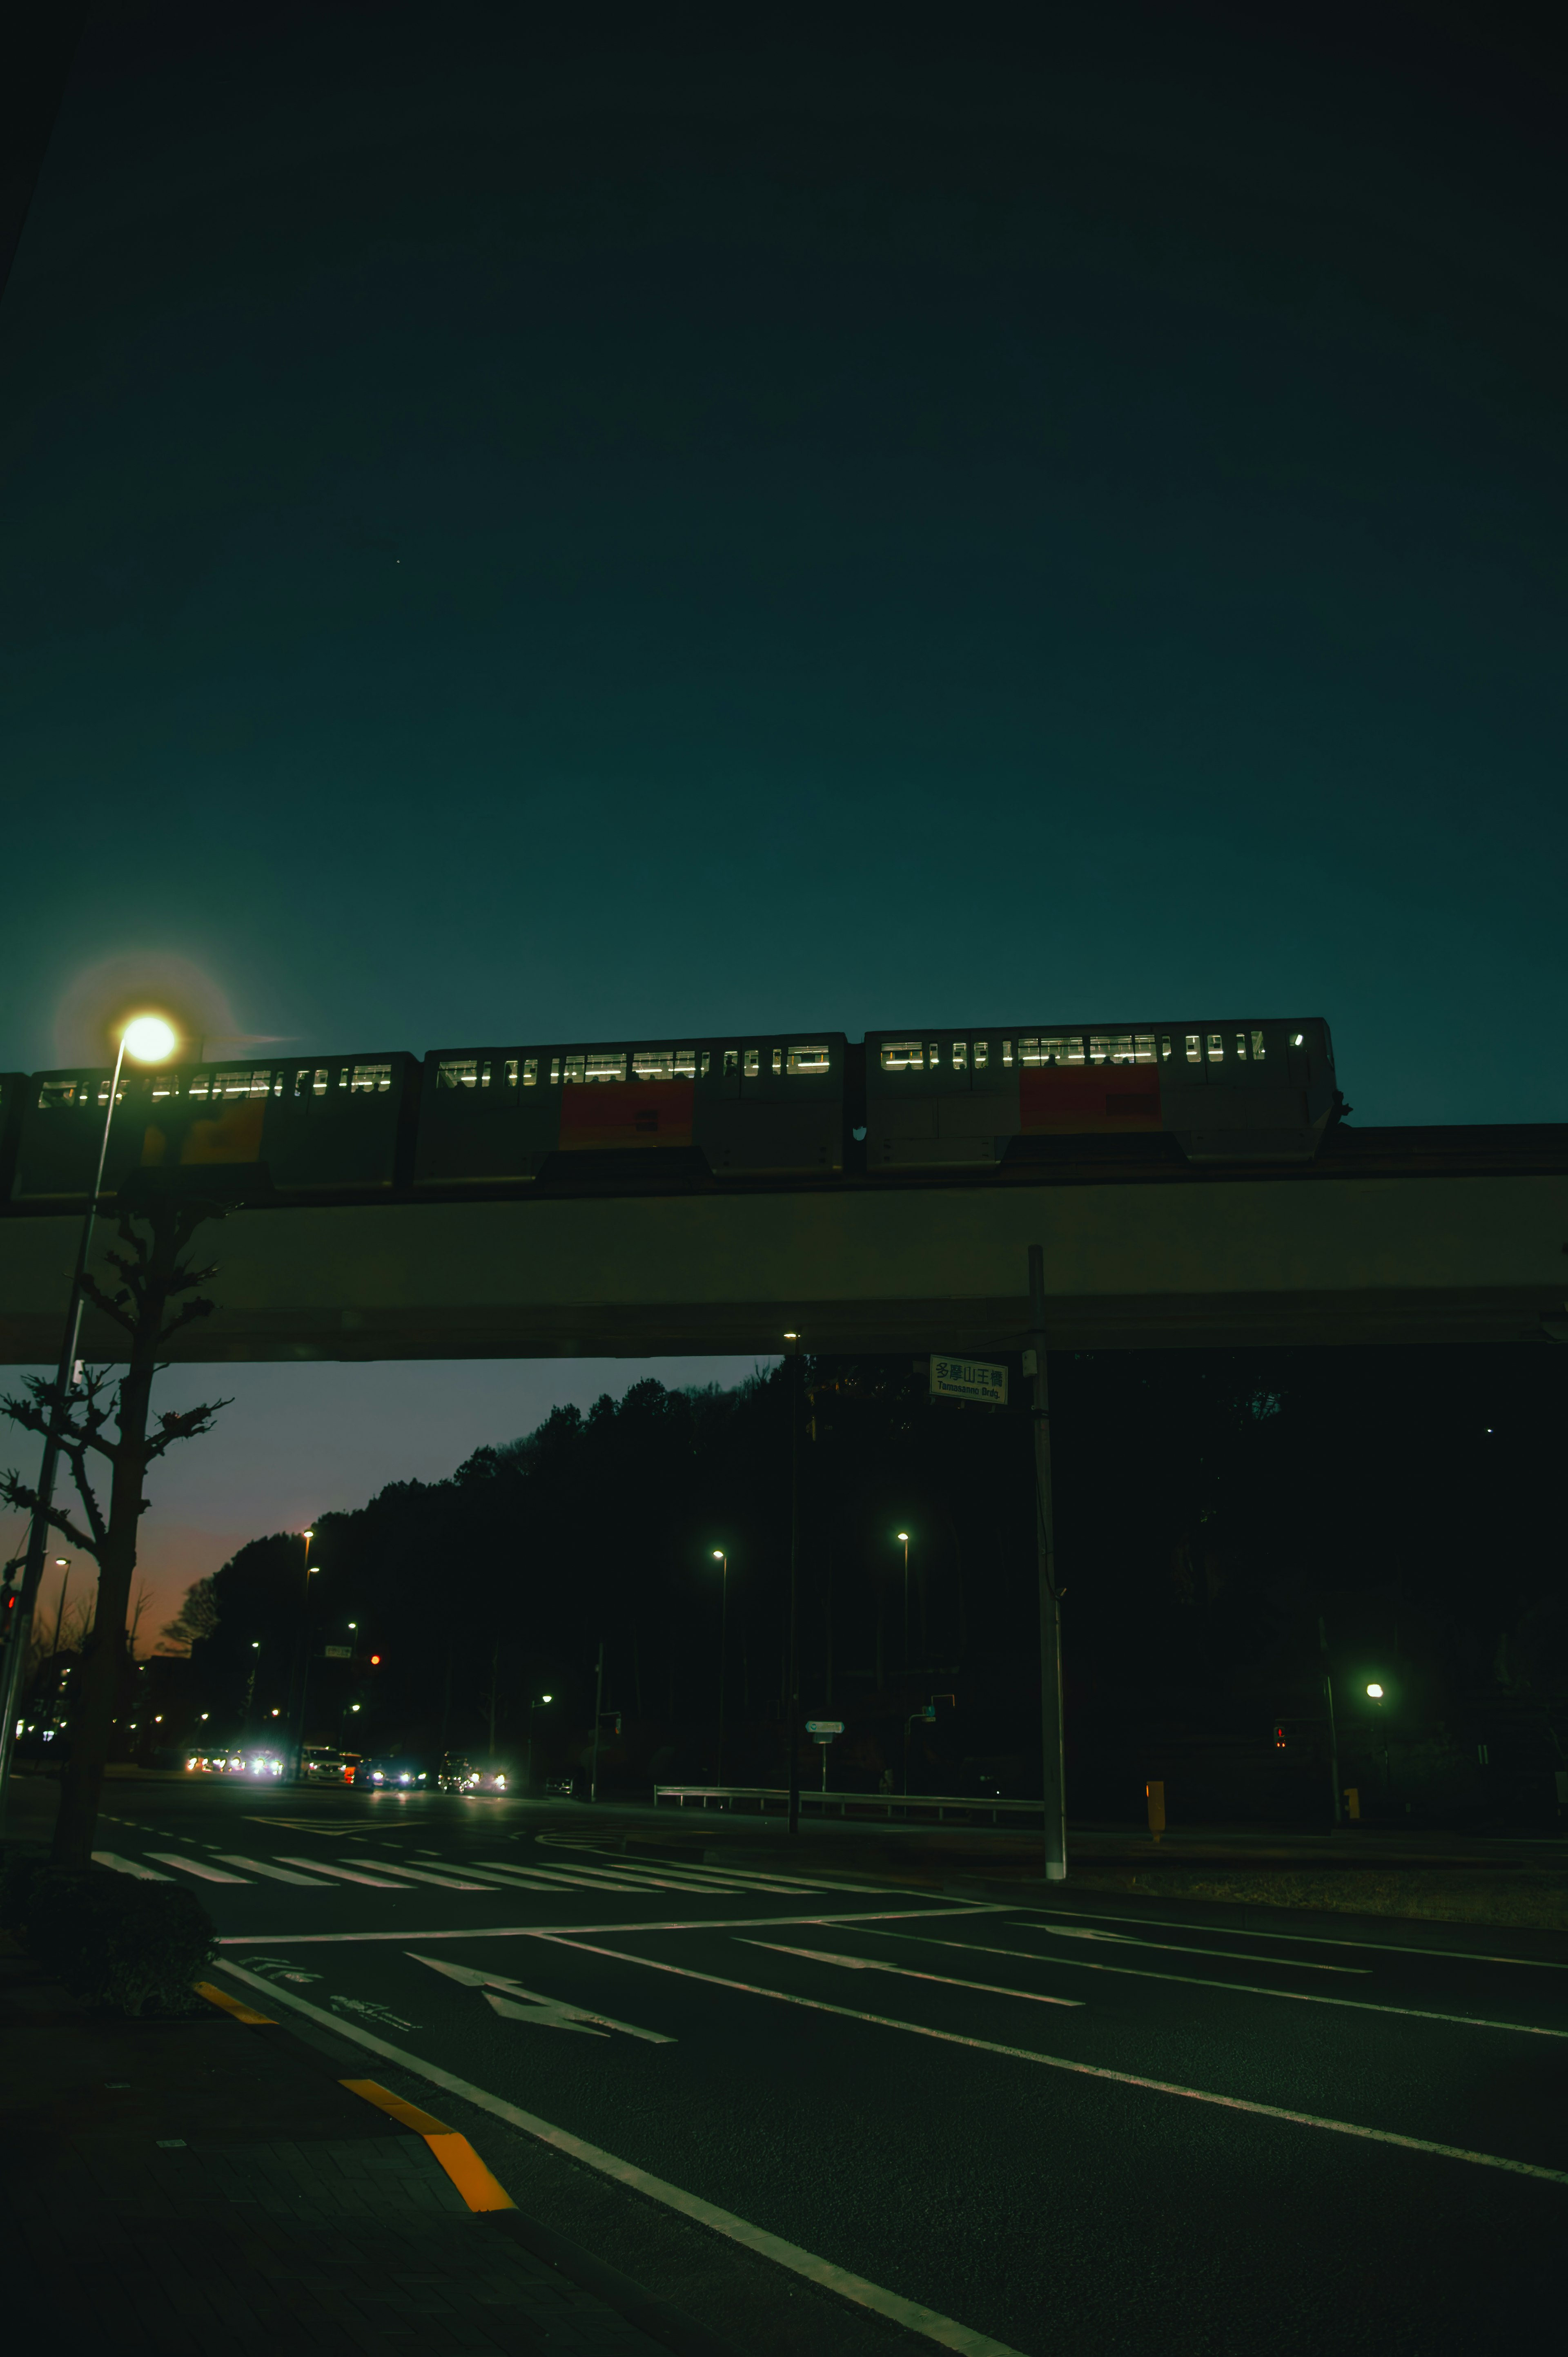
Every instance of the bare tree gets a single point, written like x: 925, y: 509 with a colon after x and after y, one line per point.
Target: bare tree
x: 144, y: 1597
x: 155, y: 1275
x: 196, y: 1618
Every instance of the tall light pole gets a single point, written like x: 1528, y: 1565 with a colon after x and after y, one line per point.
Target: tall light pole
x: 794, y: 1679
x: 305, y: 1666
x: 1053, y: 1773
x: 62, y: 1562
x: 721, y: 1555
x: 531, y: 1708
x: 147, y: 1039
x: 903, y: 1539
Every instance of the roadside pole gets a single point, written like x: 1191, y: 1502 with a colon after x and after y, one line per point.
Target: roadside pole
x: 598, y: 1698
x: 793, y: 1728
x: 1333, y: 1734
x: 1054, y: 1782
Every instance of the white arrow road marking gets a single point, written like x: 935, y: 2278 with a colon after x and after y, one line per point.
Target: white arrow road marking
x: 342, y: 1873
x: 876, y: 1964
x: 274, y: 1873
x: 193, y: 1866
x: 128, y: 1865
x: 548, y: 2010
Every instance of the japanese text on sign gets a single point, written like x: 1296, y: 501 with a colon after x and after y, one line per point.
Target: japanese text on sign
x: 969, y: 1379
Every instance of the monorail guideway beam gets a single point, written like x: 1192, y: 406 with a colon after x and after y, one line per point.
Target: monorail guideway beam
x: 1203, y: 1262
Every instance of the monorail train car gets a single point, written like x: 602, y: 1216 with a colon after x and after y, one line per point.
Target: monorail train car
x: 489, y: 1115
x: 333, y: 1125
x: 1238, y: 1090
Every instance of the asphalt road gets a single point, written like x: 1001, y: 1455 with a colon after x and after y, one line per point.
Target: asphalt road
x: 1089, y: 2127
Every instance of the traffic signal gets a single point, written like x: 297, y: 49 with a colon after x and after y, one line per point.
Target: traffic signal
x: 375, y: 1660
x: 1279, y: 1738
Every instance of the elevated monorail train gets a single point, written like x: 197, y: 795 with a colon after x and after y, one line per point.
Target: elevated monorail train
x: 1247, y: 1089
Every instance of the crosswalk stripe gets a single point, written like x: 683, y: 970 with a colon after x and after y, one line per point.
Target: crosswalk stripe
x: 274, y: 1873
x: 420, y: 1874
x: 681, y: 1878
x: 341, y: 1873
x: 549, y: 1878
x: 193, y: 1866
x: 128, y: 1865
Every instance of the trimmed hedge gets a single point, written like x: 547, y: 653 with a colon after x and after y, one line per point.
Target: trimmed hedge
x: 127, y: 1947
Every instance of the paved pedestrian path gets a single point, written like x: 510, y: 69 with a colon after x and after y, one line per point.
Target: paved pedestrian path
x: 208, y: 2185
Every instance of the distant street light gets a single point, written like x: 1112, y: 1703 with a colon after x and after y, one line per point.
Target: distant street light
x: 721, y: 1555
x: 147, y: 1039
x: 903, y: 1538
x: 528, y: 1783
x: 1376, y: 1693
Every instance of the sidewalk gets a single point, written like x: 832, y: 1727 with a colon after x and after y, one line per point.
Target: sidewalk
x: 211, y: 2185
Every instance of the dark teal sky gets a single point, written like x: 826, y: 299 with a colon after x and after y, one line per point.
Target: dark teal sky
x: 618, y: 521
x: 641, y: 527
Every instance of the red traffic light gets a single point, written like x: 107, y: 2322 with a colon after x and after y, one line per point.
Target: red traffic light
x: 375, y: 1660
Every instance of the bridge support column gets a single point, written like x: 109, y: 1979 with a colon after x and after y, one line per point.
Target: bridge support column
x: 1053, y: 1784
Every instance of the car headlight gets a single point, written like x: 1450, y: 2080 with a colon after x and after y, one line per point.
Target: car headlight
x: 500, y: 1782
x: 405, y: 1779
x: 376, y: 1776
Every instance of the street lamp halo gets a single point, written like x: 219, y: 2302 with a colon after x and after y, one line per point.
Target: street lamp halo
x: 903, y: 1536
x: 1375, y: 1692
x: 149, y: 1039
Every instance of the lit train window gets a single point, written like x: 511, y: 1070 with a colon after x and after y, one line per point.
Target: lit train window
x: 1216, y: 1047
x: 707, y: 1061
x: 1142, y: 1047
x: 555, y: 1072
x: 1165, y: 1047
x: 1110, y: 1047
x: 1194, y: 1047
x: 1257, y: 1047
x: 370, y: 1079
x: 164, y: 1085
x: 509, y: 1072
x: 981, y: 1054
x: 903, y: 1056
x: 753, y: 1064
x: 810, y: 1059
x: 959, y: 1055
x: 55, y: 1094
x: 1067, y: 1048
x: 1007, y: 1051
x: 243, y: 1085
x: 530, y: 1072
x: 1241, y: 1047
x: 457, y: 1072
x: 575, y: 1067
x: 653, y: 1064
x: 935, y: 1055
x: 598, y: 1065
x: 731, y: 1059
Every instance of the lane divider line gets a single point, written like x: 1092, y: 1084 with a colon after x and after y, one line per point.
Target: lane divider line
x: 551, y: 1930
x: 1235, y: 1988
x: 477, y: 2184
x: 1318, y: 1940
x: 1090, y: 2070
x: 905, y: 1972
x: 1174, y: 1948
x: 945, y: 2331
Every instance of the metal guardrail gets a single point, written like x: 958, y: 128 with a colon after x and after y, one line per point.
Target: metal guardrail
x: 762, y: 1797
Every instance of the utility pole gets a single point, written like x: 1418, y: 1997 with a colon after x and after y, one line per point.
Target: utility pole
x: 1333, y: 1736
x: 598, y: 1698
x: 1053, y: 1784
x: 793, y: 1714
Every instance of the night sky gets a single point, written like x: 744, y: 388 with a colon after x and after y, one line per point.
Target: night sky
x: 615, y: 521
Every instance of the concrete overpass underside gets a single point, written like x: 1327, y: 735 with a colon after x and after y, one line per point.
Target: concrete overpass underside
x: 1390, y: 1237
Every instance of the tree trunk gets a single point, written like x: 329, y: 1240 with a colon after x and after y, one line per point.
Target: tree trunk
x: 92, y: 1718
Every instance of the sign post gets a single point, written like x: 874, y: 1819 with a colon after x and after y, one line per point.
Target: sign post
x: 822, y: 1732
x: 1053, y: 1787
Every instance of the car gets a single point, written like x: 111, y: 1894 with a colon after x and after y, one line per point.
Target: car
x: 389, y: 1775
x: 461, y: 1775
x: 320, y: 1763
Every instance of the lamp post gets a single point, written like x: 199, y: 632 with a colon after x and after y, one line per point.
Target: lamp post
x: 903, y: 1539
x: 62, y: 1562
x: 721, y: 1555
x: 793, y: 1339
x: 147, y: 1039
x: 1375, y: 1693
x: 531, y: 1708
x: 305, y: 1649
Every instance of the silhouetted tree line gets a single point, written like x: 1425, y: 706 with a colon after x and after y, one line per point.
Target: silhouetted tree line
x: 1214, y: 1509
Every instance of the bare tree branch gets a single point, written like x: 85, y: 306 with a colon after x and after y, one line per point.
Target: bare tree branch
x: 18, y: 1493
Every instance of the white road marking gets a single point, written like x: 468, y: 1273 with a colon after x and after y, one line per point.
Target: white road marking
x: 627, y: 1931
x: 193, y: 1866
x: 876, y: 1964
x: 647, y: 1877
x: 1090, y: 2069
x: 1174, y: 1948
x: 927, y: 2321
x: 554, y: 1876
x: 551, y: 2010
x: 342, y: 1873
x: 1244, y: 1988
x: 1324, y: 1940
x: 275, y: 1873
x: 128, y: 1865
x: 422, y: 1874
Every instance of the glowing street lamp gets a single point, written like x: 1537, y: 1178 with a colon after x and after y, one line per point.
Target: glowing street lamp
x: 531, y: 1708
x: 1375, y: 1692
x: 903, y: 1539
x: 147, y: 1039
